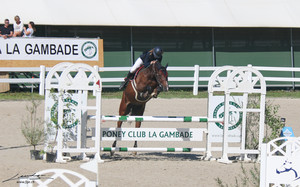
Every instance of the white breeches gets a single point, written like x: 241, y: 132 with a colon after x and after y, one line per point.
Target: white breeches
x: 136, y: 65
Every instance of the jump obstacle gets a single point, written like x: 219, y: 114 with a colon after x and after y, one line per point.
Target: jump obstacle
x: 60, y: 81
x: 67, y: 79
x: 280, y: 164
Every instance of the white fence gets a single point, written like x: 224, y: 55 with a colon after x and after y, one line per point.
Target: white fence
x: 197, y: 71
x: 280, y: 163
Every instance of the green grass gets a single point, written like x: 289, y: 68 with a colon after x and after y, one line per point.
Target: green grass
x: 182, y: 94
x: 201, y: 94
x: 282, y: 93
x: 166, y: 95
x: 20, y: 96
x: 110, y: 94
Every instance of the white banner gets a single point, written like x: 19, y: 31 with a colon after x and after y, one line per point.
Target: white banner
x: 71, y: 117
x: 152, y: 134
x: 49, y: 49
x: 216, y: 110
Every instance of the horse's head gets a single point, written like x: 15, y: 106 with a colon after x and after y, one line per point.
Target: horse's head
x: 161, y: 75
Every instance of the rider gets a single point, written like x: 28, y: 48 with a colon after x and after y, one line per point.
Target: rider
x: 146, y: 58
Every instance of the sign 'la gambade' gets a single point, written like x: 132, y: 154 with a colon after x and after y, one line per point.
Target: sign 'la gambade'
x: 51, y: 49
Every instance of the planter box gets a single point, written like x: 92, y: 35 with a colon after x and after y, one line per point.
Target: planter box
x: 35, y: 155
x: 50, y: 157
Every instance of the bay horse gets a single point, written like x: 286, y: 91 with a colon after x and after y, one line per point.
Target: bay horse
x: 147, y: 83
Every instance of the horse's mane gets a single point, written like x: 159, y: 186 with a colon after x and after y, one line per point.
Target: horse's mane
x: 161, y: 67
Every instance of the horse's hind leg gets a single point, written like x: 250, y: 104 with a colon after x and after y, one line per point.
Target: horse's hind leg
x: 123, y: 110
x: 119, y: 124
x: 138, y: 110
x: 137, y: 125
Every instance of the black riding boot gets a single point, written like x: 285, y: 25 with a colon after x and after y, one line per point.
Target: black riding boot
x: 126, y: 80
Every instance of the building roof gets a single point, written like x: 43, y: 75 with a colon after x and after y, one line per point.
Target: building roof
x: 170, y: 13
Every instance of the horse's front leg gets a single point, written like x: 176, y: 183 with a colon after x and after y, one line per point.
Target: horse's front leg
x: 152, y: 92
x: 156, y: 91
x: 124, y: 109
x: 137, y: 125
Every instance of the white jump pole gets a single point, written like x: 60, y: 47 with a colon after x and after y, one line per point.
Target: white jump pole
x: 149, y: 149
x: 158, y: 118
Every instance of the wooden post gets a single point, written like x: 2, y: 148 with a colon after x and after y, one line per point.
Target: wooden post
x: 4, y: 87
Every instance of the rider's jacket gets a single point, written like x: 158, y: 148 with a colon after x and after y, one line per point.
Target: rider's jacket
x: 148, y: 57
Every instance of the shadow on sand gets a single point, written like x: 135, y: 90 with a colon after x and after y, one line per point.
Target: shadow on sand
x: 153, y: 156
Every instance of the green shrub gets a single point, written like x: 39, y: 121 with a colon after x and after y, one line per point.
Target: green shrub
x: 33, y: 127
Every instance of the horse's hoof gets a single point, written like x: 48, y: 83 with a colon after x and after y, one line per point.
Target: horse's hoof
x: 134, y: 153
x: 112, y: 153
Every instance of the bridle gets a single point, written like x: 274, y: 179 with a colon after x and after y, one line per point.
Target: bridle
x: 160, y: 68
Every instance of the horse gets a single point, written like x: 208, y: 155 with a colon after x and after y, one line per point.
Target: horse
x: 146, y: 84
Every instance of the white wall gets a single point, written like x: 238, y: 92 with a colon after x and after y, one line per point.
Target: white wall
x: 214, y: 13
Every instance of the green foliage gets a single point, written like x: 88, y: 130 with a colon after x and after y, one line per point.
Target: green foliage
x: 33, y: 127
x: 249, y: 178
x: 245, y: 179
x: 273, y: 124
x: 220, y: 182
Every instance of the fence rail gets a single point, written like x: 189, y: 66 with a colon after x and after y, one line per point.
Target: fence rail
x: 42, y: 70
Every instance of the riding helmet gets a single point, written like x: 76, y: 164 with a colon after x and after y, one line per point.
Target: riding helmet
x: 157, y: 52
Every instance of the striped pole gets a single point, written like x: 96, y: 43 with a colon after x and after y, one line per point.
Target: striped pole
x: 144, y: 149
x: 159, y: 118
x: 234, y: 150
